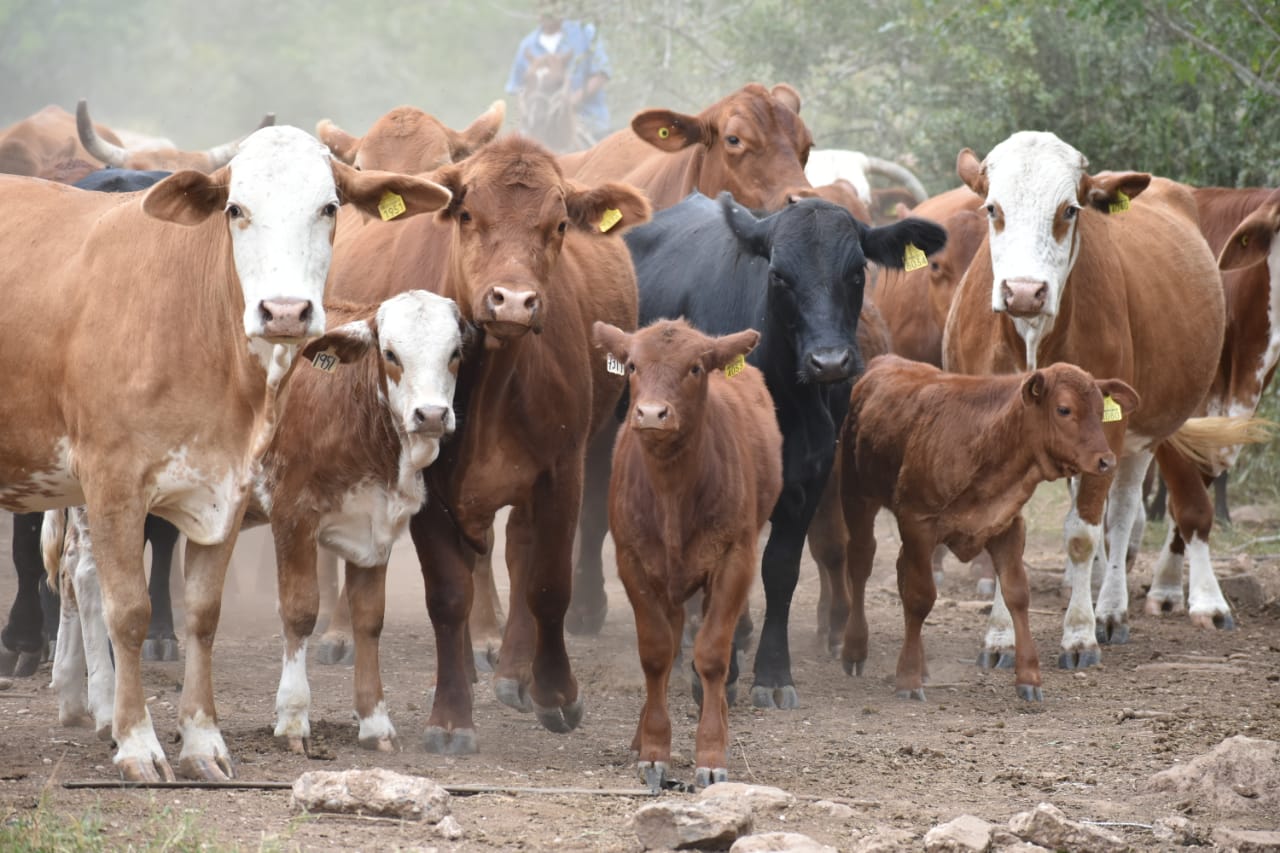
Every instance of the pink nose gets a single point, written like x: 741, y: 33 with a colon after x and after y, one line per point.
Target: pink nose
x: 1106, y: 462
x: 430, y: 420
x: 519, y: 307
x: 653, y: 416
x: 1024, y: 297
x: 285, y: 318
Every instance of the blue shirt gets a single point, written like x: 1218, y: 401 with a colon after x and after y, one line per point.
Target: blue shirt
x: 589, y: 59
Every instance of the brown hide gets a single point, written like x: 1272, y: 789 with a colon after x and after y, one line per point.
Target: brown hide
x: 751, y: 143
x: 697, y: 469
x: 528, y: 400
x: 37, y: 145
x: 154, y: 158
x: 409, y: 140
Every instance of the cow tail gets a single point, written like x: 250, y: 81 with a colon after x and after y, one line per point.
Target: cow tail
x: 53, y: 533
x: 1201, y: 439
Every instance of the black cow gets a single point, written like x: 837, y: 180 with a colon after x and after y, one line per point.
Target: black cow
x: 796, y: 277
x: 120, y: 180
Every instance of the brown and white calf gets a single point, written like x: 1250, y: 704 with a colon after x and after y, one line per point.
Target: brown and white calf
x: 157, y: 330
x: 697, y: 469
x: 955, y: 458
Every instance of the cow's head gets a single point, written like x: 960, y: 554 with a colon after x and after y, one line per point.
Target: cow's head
x: 668, y: 365
x: 756, y: 145
x: 280, y: 196
x: 1035, y: 187
x: 1065, y: 407
x: 416, y: 340
x: 511, y: 211
x: 411, y: 141
x: 163, y: 157
x: 817, y: 255
x: 1255, y: 240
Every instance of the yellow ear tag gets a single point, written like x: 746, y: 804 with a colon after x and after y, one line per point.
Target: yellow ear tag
x: 1111, y: 411
x: 1120, y: 205
x: 914, y: 258
x: 326, y: 361
x: 611, y: 217
x: 391, y: 206
x: 664, y: 132
x: 734, y: 367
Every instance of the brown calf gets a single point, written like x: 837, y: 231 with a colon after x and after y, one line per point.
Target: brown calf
x: 409, y: 140
x: 954, y: 458
x: 697, y: 469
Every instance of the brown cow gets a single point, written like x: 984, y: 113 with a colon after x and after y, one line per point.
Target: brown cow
x: 532, y: 261
x: 40, y: 143
x: 1080, y: 268
x: 191, y: 300
x: 955, y: 458
x: 409, y: 140
x: 167, y: 158
x: 696, y: 471
x: 751, y: 143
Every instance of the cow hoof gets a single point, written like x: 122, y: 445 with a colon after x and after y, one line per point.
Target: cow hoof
x: 19, y: 664
x: 586, y: 620
x: 1029, y: 692
x: 486, y: 659
x: 653, y: 774
x: 75, y: 719
x: 160, y: 649
x: 1080, y: 658
x: 916, y: 693
x: 986, y: 589
x: 1112, y: 631
x: 988, y: 659
x: 561, y: 720
x: 513, y: 694
x: 104, y: 732
x: 297, y: 744
x: 853, y: 667
x: 705, y: 777
x: 208, y: 768
x: 775, y: 698
x: 332, y: 652
x: 456, y: 742
x: 1005, y: 661
x: 1209, y: 621
x: 138, y: 770
x: 1161, y: 606
x: 380, y: 743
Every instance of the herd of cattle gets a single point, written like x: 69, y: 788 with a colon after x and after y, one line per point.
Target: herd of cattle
x: 669, y: 335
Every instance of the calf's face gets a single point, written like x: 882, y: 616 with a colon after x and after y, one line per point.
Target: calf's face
x: 1069, y: 409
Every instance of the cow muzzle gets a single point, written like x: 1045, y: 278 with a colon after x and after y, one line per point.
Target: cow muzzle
x: 510, y: 312
x: 1024, y: 297
x: 430, y: 421
x: 285, y: 320
x: 653, y: 416
x: 835, y: 364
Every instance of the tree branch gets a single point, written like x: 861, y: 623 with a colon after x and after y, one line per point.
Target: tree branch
x: 1241, y: 71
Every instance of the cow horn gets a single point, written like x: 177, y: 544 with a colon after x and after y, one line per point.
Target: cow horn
x: 898, y: 173
x: 220, y: 155
x: 101, y: 149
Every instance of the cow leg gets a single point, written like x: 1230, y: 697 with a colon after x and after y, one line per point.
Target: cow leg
x: 22, y: 641
x: 298, y: 596
x: 1015, y: 593
x: 100, y: 671
x: 204, y: 753
x: 486, y: 620
x: 335, y: 645
x: 589, y: 604
x: 860, y: 552
x: 1192, y: 513
x: 1125, y: 500
x: 70, y: 671
x: 712, y: 653
x: 327, y: 577
x: 659, y: 625
x: 1165, y: 594
x: 446, y: 575
x: 918, y: 593
x: 161, y: 643
x: 367, y: 598
x: 828, y: 540
x: 1083, y: 532
x: 1221, y: 510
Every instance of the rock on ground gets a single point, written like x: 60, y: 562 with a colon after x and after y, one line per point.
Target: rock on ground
x: 1246, y: 840
x: 884, y: 839
x: 1047, y: 826
x: 1244, y: 591
x: 380, y: 792
x: 1241, y: 775
x: 839, y: 811
x: 965, y: 833
x: 779, y: 842
x: 706, y: 824
x: 760, y: 799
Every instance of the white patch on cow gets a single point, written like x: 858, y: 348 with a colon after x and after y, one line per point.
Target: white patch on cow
x: 828, y: 165
x: 371, y: 518
x: 53, y: 487
x: 293, y: 698
x: 201, y: 739
x: 377, y: 725
x: 1029, y: 176
x: 70, y: 673
x: 1000, y: 636
x: 97, y: 645
x: 422, y: 330
x: 281, y: 181
x: 202, y: 504
x: 1204, y: 596
x: 1082, y: 540
x: 1124, y: 500
x: 1166, y: 576
x: 274, y: 358
x: 139, y: 744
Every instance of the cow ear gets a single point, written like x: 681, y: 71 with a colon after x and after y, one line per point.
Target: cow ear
x: 890, y: 244
x: 188, y: 197
x: 600, y: 210
x: 1250, y: 243
x: 787, y: 95
x: 479, y: 132
x: 670, y: 131
x: 347, y: 342
x: 343, y: 145
x: 1103, y: 191
x: 972, y: 171
x: 1122, y: 393
x: 371, y: 191
x: 1034, y: 388
x: 611, y: 339
x: 754, y: 235
x: 729, y: 348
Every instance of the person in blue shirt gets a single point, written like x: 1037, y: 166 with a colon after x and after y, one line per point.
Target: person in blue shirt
x: 589, y: 65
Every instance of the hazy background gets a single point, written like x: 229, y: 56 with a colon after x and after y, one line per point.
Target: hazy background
x: 1189, y: 90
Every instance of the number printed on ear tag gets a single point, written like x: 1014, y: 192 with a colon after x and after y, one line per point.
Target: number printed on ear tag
x: 326, y: 361
x: 391, y: 206
x: 734, y: 367
x: 1111, y: 411
x: 614, y: 366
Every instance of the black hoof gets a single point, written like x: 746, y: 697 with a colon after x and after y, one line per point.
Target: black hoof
x: 1114, y: 633
x: 19, y: 664
x: 853, y: 667
x: 916, y: 694
x: 705, y: 777
x: 1224, y: 622
x: 1029, y: 693
x: 486, y: 659
x: 988, y: 659
x: 160, y: 649
x: 653, y: 774
x: 1080, y: 658
x: 775, y: 698
x: 1005, y: 661
x: 332, y: 653
x: 561, y: 720
x: 456, y: 742
x: 513, y: 694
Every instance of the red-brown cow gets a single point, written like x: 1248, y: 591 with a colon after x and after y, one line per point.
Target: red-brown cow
x: 752, y: 143
x: 1080, y: 268
x: 955, y: 458
x: 532, y: 259
x: 164, y: 157
x: 696, y: 471
x: 409, y: 140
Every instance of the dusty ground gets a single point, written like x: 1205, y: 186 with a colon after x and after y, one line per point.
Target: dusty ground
x: 972, y: 747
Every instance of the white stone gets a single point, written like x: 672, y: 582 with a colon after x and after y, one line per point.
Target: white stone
x: 372, y: 792
x: 761, y: 799
x: 1049, y: 827
x: 839, y: 811
x: 714, y: 824
x: 886, y: 839
x: 965, y: 833
x: 779, y: 842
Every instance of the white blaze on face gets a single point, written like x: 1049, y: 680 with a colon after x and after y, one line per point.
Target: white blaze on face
x: 419, y: 332
x: 1033, y: 180
x: 282, y: 206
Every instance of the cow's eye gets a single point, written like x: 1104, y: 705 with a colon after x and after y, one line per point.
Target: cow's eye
x: 991, y: 211
x: 1065, y: 411
x: 631, y: 367
x: 464, y: 216
x: 733, y: 140
x: 695, y: 370
x: 330, y: 210
x: 390, y: 357
x: 457, y: 354
x: 563, y: 226
x: 1070, y: 212
x: 234, y: 211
